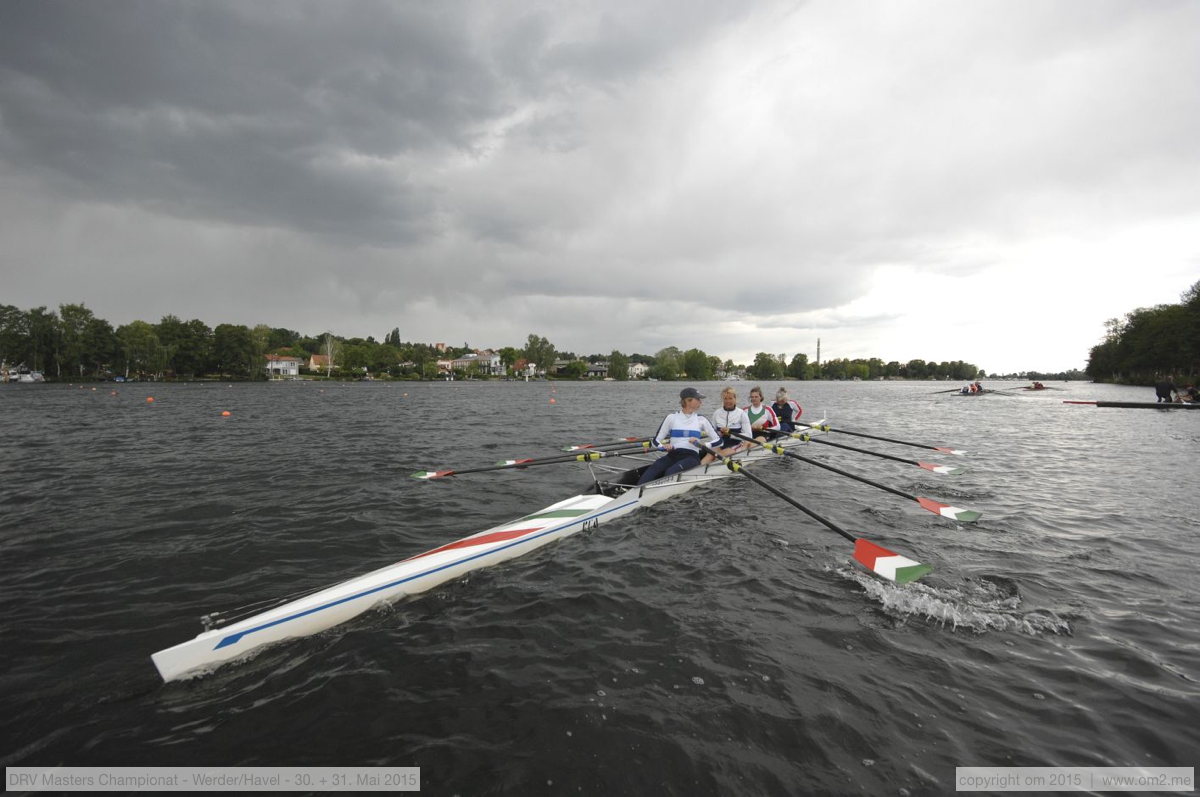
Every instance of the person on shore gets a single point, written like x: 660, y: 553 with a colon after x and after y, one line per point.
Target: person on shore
x: 730, y: 421
x: 786, y: 410
x: 1164, y: 391
x: 681, y: 434
x: 762, y: 418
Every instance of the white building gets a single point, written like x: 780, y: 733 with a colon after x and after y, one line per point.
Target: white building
x: 485, y: 362
x: 280, y: 367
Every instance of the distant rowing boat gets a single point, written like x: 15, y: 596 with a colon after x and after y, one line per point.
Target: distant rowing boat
x: 1140, y: 405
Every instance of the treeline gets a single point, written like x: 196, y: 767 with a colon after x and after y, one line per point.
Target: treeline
x: 1151, y: 343
x: 75, y: 344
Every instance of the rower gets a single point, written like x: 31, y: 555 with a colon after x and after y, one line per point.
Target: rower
x: 730, y: 421
x: 680, y: 436
x: 762, y: 418
x: 786, y: 410
x: 1165, y: 389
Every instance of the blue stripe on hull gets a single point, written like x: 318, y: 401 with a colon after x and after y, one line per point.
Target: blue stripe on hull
x: 233, y: 639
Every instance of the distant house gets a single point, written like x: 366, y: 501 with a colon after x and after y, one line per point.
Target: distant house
x: 638, y: 370
x: 484, y: 362
x: 279, y: 366
x: 597, y: 370
x: 318, y: 362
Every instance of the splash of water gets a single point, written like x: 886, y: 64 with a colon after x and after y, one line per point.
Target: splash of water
x: 981, y: 605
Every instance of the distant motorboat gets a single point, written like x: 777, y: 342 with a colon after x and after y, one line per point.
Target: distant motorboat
x: 20, y: 373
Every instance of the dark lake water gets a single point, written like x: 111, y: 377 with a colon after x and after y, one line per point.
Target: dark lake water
x: 717, y: 643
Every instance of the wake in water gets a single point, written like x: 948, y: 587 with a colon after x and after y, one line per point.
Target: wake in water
x: 981, y: 605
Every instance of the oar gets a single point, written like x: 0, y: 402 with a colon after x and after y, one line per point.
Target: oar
x: 943, y: 469
x: 644, y: 445
x: 624, y: 441
x: 827, y: 428
x: 928, y: 504
x: 879, y: 560
x: 589, y: 456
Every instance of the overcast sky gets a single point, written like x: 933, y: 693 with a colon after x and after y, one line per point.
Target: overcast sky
x: 981, y: 181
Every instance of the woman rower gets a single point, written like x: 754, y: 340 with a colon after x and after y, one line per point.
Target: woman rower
x: 680, y: 435
x: 762, y: 417
x: 786, y: 410
x: 730, y: 421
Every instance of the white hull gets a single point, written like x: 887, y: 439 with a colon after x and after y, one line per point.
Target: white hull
x: 335, y: 605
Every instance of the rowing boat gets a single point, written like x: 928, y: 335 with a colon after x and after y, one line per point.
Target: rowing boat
x: 1141, y: 405
x: 311, y: 614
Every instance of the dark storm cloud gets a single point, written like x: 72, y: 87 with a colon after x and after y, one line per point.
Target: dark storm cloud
x: 317, y: 116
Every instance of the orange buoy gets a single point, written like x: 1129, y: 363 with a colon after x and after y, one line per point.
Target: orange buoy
x: 226, y: 413
x: 553, y: 401
x: 149, y: 399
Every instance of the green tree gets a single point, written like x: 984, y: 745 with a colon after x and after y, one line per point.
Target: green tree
x: 576, y: 369
x: 509, y: 357
x: 140, y: 348
x: 798, y: 367
x: 696, y: 365
x: 618, y: 366
x: 540, y: 352
x: 14, y: 335
x: 766, y: 367
x: 668, y: 364
x: 74, y: 321
x: 100, y: 345
x: 43, y: 339
x: 916, y: 369
x: 235, y: 351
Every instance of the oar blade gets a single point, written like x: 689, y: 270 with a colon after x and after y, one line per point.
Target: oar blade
x: 947, y: 511
x: 888, y: 564
x: 945, y: 470
x: 513, y: 461
x: 953, y: 451
x: 432, y: 474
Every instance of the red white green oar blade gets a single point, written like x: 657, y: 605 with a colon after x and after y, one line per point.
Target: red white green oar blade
x: 953, y: 451
x: 432, y: 474
x: 945, y: 510
x: 888, y: 564
x: 945, y: 470
x: 513, y: 461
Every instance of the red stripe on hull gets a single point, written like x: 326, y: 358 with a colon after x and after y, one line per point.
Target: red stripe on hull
x: 495, y: 536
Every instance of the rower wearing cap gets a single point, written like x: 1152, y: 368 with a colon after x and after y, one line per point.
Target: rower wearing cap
x: 681, y: 434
